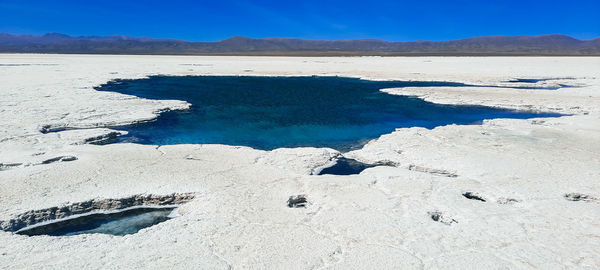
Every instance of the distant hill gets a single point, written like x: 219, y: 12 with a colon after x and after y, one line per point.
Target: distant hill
x: 547, y: 45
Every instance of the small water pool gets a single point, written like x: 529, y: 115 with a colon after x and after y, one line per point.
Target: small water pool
x: 122, y: 222
x: 273, y: 112
x: 346, y: 166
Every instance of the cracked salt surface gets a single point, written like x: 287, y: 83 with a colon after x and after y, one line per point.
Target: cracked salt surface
x: 378, y: 219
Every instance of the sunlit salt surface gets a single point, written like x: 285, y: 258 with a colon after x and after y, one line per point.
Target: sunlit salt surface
x: 272, y: 112
x: 119, y: 223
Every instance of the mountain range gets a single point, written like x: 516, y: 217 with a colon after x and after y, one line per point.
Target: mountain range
x: 545, y: 45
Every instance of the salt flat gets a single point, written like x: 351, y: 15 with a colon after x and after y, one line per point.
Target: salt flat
x: 539, y: 178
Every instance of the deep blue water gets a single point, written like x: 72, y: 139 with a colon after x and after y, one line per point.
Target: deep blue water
x: 273, y: 112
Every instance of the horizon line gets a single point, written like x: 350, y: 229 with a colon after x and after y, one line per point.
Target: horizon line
x: 292, y: 38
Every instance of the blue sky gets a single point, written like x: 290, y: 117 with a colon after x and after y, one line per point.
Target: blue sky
x: 388, y: 20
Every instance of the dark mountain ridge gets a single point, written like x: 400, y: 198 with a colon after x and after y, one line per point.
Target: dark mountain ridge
x: 545, y: 45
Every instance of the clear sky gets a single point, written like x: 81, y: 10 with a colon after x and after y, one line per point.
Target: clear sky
x: 322, y: 19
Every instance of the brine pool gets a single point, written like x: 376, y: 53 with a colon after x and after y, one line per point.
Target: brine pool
x: 272, y: 112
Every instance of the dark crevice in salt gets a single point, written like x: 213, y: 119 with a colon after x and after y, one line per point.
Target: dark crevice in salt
x: 297, y: 201
x: 532, y: 80
x: 59, y: 159
x: 97, y: 140
x: 6, y: 166
x: 49, y: 128
x: 103, y: 139
x: 440, y: 217
x: 580, y: 197
x: 473, y: 196
x: 348, y: 166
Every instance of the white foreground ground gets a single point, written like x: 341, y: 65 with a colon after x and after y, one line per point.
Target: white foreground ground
x: 380, y: 219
